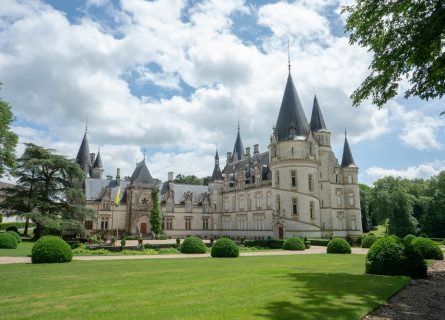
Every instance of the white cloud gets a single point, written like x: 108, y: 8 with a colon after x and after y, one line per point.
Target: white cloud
x: 422, y: 171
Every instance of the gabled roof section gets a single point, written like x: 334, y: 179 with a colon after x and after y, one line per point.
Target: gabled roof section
x: 83, y: 156
x: 347, y: 160
x: 216, y: 175
x: 291, y: 120
x: 141, y: 175
x: 98, y: 161
x: 238, y: 147
x: 317, y: 121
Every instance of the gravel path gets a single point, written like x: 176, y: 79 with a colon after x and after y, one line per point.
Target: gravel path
x: 312, y: 250
x: 420, y: 299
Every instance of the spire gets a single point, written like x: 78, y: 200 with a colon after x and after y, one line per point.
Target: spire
x: 216, y: 175
x: 347, y: 160
x: 141, y: 175
x: 98, y: 161
x: 238, y: 147
x: 317, y: 121
x: 291, y: 120
x: 83, y: 155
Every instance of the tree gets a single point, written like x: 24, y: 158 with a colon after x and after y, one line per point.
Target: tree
x: 155, y: 216
x: 180, y: 178
x: 8, y: 139
x: 433, y: 221
x: 407, y: 39
x: 45, y: 191
x: 365, y: 204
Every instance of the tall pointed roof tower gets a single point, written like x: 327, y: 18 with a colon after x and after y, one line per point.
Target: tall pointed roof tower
x: 317, y: 121
x: 216, y: 175
x: 141, y: 174
x: 238, y: 147
x: 291, y: 120
x: 347, y: 160
x: 83, y: 155
x: 98, y: 161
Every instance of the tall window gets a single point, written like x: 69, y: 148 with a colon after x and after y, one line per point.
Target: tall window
x: 294, y: 206
x: 351, y: 198
x: 293, y: 178
x: 339, y: 196
x: 278, y: 203
x: 205, y: 223
x: 259, y: 200
x: 168, y: 223
x: 350, y: 179
x: 277, y: 177
x: 268, y: 200
x: 258, y: 221
x: 188, y: 223
x: 226, y: 222
x: 311, y: 209
x: 89, y: 225
x: 241, y: 222
x: 104, y: 224
x: 311, y: 182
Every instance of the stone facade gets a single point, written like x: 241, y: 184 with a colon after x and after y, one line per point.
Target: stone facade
x: 296, y: 188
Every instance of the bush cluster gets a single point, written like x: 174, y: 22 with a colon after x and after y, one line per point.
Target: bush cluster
x: 368, y: 241
x: 408, y: 238
x: 269, y: 243
x: 294, y: 243
x: 51, y: 249
x: 7, y: 241
x: 225, y: 248
x: 193, y: 244
x: 392, y: 256
x: 338, y: 245
x: 319, y: 242
x: 15, y: 235
x: 427, y: 248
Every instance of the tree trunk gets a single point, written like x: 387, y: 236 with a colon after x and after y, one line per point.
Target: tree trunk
x: 25, y: 233
x: 38, y: 231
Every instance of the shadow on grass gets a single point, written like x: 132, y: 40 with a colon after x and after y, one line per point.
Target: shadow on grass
x: 333, y: 296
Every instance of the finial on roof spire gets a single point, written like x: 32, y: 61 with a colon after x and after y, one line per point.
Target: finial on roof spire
x: 346, y: 133
x: 288, y: 55
x: 86, y: 125
x: 144, y: 153
x: 238, y: 121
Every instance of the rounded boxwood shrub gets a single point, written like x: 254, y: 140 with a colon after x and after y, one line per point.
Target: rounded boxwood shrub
x: 338, y: 245
x: 408, y: 238
x: 15, y: 235
x: 427, y: 248
x: 225, y: 248
x: 51, y: 249
x: 368, y: 241
x: 193, y: 245
x: 293, y: 243
x: 391, y: 256
x: 7, y: 241
x: 13, y: 228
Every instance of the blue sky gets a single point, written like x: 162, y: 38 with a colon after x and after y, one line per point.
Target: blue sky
x: 171, y: 76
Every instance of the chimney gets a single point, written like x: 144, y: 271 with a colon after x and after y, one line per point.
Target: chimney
x: 247, y: 151
x: 170, y: 176
x: 118, y: 176
x: 92, y: 158
x: 229, y: 157
x: 255, y: 149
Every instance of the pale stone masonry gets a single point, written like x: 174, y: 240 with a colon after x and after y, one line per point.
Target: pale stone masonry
x: 296, y: 188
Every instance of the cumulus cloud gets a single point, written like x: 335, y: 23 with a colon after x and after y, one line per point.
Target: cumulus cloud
x: 422, y: 171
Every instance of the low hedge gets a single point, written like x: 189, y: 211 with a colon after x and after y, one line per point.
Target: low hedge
x: 51, y: 249
x: 193, y: 244
x: 368, y: 241
x: 294, y: 243
x: 15, y: 235
x: 319, y: 242
x: 392, y: 256
x: 338, y: 245
x: 225, y: 248
x: 7, y: 241
x: 267, y: 243
x: 427, y: 248
x: 6, y: 225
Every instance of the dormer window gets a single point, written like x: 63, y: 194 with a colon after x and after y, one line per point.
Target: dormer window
x: 292, y: 131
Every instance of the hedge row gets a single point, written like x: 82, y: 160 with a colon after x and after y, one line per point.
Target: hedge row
x: 319, y: 242
x: 269, y: 243
x: 6, y: 225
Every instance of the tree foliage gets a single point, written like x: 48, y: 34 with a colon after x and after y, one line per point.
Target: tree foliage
x: 46, y: 191
x: 155, y: 216
x: 8, y: 139
x: 407, y: 40
x: 180, y: 178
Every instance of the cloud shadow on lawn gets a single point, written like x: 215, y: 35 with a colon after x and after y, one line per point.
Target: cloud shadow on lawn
x: 333, y: 296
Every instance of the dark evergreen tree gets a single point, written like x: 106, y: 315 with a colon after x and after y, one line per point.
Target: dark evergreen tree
x: 155, y: 216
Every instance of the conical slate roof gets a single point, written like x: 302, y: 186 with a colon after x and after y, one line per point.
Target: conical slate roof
x: 216, y: 175
x: 317, y: 121
x: 347, y: 159
x: 238, y: 147
x: 83, y: 156
x: 141, y: 175
x: 291, y: 120
x: 98, y: 161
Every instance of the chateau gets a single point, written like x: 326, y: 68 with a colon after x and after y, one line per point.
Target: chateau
x: 296, y: 188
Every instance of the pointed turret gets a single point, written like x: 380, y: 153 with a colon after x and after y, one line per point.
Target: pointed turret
x: 347, y: 160
x: 216, y: 175
x: 238, y: 147
x: 291, y: 120
x: 98, y: 169
x: 141, y: 175
x: 83, y: 156
x: 317, y: 121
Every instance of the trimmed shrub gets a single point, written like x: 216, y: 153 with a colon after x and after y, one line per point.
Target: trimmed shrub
x: 338, y: 245
x: 51, y: 249
x: 193, y: 244
x: 7, y: 241
x: 368, y: 241
x: 293, y: 243
x: 427, y: 248
x: 319, y: 242
x: 225, y: 248
x: 408, y: 238
x: 15, y: 235
x: 269, y: 243
x: 14, y: 229
x: 391, y: 256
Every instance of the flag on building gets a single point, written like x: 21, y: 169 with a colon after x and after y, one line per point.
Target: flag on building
x: 117, y: 200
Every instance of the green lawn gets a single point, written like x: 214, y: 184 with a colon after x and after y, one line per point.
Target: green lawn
x: 274, y: 287
x: 23, y: 249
